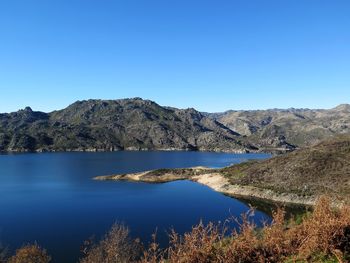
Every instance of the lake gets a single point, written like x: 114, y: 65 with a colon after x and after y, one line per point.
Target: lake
x: 50, y: 197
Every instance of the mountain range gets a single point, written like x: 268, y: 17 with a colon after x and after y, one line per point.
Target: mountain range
x: 137, y: 124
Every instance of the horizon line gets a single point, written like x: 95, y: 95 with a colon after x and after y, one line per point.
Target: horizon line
x: 182, y: 108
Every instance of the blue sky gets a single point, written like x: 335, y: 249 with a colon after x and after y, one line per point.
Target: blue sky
x: 211, y: 55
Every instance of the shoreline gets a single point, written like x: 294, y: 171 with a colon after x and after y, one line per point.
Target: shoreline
x: 212, y: 178
x: 134, y: 149
x: 220, y: 184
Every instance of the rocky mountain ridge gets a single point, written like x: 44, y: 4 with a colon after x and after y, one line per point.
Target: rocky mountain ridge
x: 109, y: 125
x: 287, y: 127
x: 137, y: 124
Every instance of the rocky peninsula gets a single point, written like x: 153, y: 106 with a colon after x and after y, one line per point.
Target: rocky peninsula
x: 299, y: 177
x: 212, y: 178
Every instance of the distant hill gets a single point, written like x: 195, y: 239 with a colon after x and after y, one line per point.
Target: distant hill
x: 322, y: 169
x: 288, y: 128
x: 127, y: 124
x: 136, y: 124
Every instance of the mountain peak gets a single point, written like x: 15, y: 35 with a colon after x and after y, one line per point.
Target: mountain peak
x: 342, y: 107
x: 28, y: 109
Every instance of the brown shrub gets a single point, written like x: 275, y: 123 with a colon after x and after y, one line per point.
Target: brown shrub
x: 153, y: 254
x: 325, y: 231
x: 243, y: 243
x: 30, y: 254
x: 116, y: 247
x: 200, y: 245
x: 324, y: 234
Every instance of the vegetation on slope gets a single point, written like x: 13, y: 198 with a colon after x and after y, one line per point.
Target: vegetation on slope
x: 313, y: 171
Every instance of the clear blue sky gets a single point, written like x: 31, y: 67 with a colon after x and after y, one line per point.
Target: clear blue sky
x: 211, y: 55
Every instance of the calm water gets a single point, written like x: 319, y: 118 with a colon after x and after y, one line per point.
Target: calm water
x: 50, y: 197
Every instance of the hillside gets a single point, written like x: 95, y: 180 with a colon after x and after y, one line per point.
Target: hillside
x: 128, y: 124
x: 323, y: 169
x: 290, y: 128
